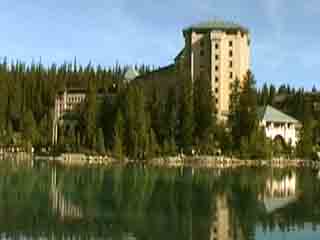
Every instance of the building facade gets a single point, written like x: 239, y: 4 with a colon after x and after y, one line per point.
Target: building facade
x: 66, y: 101
x: 279, y: 125
x: 217, y: 50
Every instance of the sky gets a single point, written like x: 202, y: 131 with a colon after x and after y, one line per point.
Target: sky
x: 285, y: 34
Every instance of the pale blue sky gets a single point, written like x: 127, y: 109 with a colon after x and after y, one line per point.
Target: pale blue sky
x: 285, y: 33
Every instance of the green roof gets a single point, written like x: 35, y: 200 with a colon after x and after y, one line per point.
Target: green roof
x: 131, y: 74
x: 270, y: 114
x: 216, y: 25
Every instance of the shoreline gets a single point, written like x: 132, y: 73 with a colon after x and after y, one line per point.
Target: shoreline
x: 214, y: 162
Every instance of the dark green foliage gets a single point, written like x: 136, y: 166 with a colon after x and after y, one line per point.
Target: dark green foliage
x: 204, y: 111
x: 259, y: 146
x: 186, y: 115
x: 100, y: 142
x: 248, y: 107
x: 151, y: 121
x: 118, y: 150
x: 234, y: 114
x: 138, y: 122
x: 91, y: 115
x: 30, y: 132
x: 305, y: 144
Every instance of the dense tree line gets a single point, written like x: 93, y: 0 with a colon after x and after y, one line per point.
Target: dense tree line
x: 27, y: 94
x: 141, y: 123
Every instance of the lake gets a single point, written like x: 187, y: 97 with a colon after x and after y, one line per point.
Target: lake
x: 41, y: 201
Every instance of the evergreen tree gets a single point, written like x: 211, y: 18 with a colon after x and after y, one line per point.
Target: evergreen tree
x: 100, y: 142
x: 248, y: 106
x: 153, y: 145
x: 169, y: 122
x: 272, y: 94
x: 305, y: 144
x: 30, y: 132
x: 234, y: 114
x: 203, y: 108
x: 91, y: 114
x: 118, y: 150
x: 264, y: 96
x: 186, y: 114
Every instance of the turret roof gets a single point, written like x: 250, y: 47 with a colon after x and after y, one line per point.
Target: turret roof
x: 216, y: 25
x: 131, y: 74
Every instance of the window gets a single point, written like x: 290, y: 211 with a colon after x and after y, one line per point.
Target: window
x: 230, y: 64
x: 217, y: 68
x: 217, y: 57
x: 217, y: 46
x: 216, y: 90
x: 201, y: 53
x: 217, y: 101
x: 201, y: 43
x: 230, y: 53
x: 230, y: 43
x: 217, y: 79
x: 231, y: 75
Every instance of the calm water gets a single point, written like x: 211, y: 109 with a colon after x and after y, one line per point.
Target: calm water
x: 38, y: 201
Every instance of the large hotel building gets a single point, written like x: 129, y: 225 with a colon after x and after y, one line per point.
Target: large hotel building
x: 218, y: 50
x: 215, y: 49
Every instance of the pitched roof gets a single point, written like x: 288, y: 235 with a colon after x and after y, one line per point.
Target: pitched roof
x: 131, y: 74
x: 270, y: 114
x: 216, y: 25
x: 180, y: 54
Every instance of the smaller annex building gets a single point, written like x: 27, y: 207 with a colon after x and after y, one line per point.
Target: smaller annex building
x: 279, y: 125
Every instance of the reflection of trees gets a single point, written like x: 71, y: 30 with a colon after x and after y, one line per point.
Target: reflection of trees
x: 22, y: 202
x: 149, y: 203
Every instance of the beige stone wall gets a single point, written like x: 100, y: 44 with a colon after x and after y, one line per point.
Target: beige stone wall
x: 209, y: 53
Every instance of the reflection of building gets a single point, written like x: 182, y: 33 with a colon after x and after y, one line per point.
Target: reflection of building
x: 60, y: 204
x: 223, y: 226
x: 278, y: 125
x: 279, y: 193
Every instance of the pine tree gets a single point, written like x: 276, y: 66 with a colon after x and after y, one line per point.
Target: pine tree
x: 100, y: 142
x: 118, y: 150
x: 264, y: 95
x: 234, y: 114
x: 30, y: 132
x: 203, y: 108
x: 91, y: 114
x: 169, y: 122
x: 153, y: 145
x: 248, y: 106
x: 186, y: 115
x: 305, y: 144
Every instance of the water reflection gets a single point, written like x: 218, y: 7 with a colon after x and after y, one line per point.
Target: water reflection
x: 51, y: 202
x: 280, y: 192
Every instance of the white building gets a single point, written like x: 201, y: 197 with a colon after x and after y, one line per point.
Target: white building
x: 65, y: 101
x: 279, y: 125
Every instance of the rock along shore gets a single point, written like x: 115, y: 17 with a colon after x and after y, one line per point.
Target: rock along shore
x: 179, y: 161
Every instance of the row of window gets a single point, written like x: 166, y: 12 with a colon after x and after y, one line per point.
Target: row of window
x: 75, y: 99
x: 217, y: 56
x: 216, y: 45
